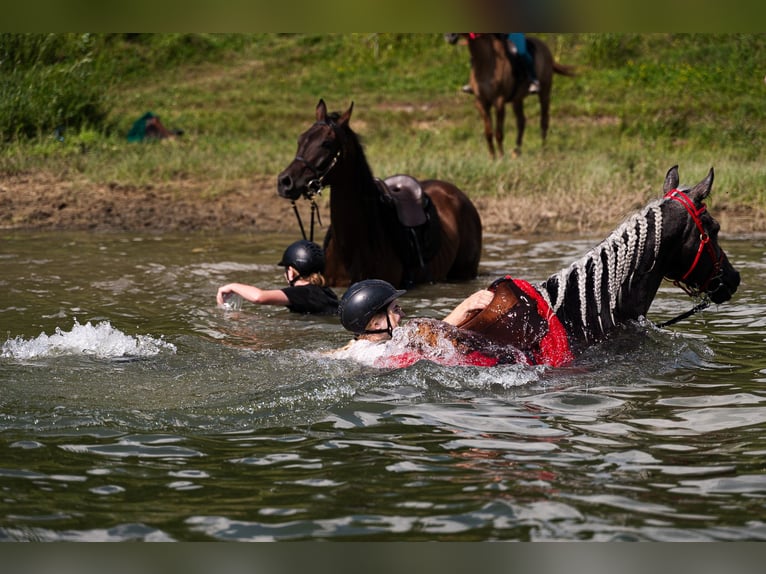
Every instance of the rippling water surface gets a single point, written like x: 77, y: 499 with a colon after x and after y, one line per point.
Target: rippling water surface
x: 134, y: 409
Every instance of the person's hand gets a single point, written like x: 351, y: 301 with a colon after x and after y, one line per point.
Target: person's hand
x: 477, y: 301
x: 469, y: 306
x: 222, y: 292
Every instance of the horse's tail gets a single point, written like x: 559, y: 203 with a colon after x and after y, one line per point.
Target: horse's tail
x: 564, y: 70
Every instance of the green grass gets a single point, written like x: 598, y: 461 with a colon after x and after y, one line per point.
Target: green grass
x: 640, y: 104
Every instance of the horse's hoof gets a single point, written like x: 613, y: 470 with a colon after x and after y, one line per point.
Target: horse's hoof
x: 516, y: 152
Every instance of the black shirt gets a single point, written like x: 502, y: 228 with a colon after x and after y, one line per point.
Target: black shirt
x: 311, y: 299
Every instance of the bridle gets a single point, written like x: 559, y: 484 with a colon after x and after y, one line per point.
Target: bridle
x: 705, y: 246
x: 314, y: 187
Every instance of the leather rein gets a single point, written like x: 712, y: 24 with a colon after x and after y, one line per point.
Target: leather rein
x: 705, y: 246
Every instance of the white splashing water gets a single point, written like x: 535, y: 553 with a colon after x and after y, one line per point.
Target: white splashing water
x: 407, y: 340
x: 102, y: 341
x: 361, y: 351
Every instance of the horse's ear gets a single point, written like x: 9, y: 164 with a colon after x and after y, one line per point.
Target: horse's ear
x: 346, y: 115
x: 321, y: 110
x: 671, y: 180
x: 700, y: 191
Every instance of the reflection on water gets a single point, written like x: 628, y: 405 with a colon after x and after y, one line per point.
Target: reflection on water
x: 135, y: 409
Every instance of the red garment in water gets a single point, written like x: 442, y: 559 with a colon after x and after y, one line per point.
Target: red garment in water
x: 472, y: 359
x: 554, y: 347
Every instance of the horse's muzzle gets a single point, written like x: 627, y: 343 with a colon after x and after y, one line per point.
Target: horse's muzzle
x: 722, y: 288
x: 286, y: 187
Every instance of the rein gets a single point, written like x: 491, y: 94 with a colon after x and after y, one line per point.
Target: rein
x: 705, y: 246
x: 314, y: 210
x: 696, y: 309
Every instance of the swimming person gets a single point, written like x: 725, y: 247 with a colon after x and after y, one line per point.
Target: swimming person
x: 306, y: 292
x: 370, y: 310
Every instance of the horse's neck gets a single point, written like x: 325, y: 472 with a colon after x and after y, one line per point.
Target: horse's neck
x: 614, y: 282
x: 487, y: 52
x: 354, y: 195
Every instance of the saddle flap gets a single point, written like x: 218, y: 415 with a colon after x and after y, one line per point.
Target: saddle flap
x: 511, y: 318
x: 406, y: 194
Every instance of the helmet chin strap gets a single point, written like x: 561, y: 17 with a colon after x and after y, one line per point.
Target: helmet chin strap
x: 389, y: 328
x: 295, y: 279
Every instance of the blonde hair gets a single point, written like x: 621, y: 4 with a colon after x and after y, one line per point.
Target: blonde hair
x: 316, y: 279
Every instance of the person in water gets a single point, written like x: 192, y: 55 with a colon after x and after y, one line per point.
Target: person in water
x: 306, y: 292
x: 370, y: 310
x: 508, y: 322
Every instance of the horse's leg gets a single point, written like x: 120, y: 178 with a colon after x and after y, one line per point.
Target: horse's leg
x: 483, y: 108
x: 500, y: 124
x: 545, y: 104
x: 521, y: 123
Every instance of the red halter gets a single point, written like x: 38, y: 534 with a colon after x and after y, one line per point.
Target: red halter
x: 705, y: 244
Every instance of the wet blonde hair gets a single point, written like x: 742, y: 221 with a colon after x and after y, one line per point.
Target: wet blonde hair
x: 316, y: 279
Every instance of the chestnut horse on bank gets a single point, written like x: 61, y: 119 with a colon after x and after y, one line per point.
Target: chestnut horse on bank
x: 435, y: 234
x: 494, y: 83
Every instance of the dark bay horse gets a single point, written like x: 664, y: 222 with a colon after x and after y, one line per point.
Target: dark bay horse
x: 366, y: 238
x: 614, y: 283
x: 494, y: 83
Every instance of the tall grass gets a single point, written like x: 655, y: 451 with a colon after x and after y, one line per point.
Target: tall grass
x: 47, y: 83
x: 639, y: 104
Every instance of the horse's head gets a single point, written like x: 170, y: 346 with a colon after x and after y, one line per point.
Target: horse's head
x: 319, y: 149
x: 700, y: 264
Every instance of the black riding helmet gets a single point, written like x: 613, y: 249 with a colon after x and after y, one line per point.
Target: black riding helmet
x: 363, y: 300
x: 306, y: 256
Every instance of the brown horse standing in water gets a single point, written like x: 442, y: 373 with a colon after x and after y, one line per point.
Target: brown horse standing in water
x: 494, y: 83
x: 366, y: 238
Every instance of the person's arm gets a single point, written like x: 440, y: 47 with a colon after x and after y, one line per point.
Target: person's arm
x: 253, y: 294
x: 468, y: 306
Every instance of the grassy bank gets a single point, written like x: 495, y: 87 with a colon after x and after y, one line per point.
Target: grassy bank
x: 639, y: 104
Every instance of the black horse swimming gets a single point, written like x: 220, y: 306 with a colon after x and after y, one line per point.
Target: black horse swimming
x: 673, y: 237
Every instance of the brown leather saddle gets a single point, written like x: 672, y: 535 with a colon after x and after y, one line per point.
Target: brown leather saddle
x: 419, y: 237
x: 511, y: 318
x: 406, y: 195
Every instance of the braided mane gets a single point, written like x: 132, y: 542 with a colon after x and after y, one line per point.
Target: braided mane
x: 611, y: 267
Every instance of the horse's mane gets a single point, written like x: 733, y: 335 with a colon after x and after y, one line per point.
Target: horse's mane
x: 364, y: 186
x: 354, y: 140
x: 612, y: 265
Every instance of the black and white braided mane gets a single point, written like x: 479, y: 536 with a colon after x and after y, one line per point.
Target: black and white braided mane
x: 587, y: 295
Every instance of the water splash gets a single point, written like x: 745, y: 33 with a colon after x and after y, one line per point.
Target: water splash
x: 429, y: 340
x: 102, y: 341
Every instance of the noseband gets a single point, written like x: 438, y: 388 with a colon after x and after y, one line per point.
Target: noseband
x: 705, y: 246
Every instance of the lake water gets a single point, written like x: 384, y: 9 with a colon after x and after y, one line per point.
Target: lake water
x: 132, y: 408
